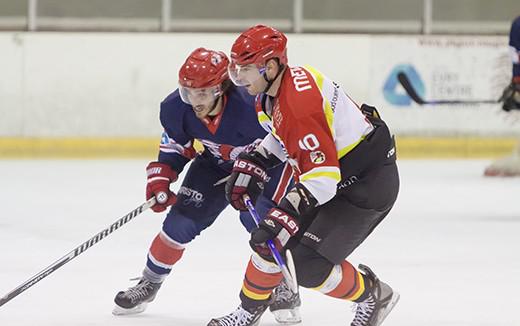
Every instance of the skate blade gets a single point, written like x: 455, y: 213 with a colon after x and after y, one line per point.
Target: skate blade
x: 288, y: 316
x: 120, y: 311
x: 395, y: 298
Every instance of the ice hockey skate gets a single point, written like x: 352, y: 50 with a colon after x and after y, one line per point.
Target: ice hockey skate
x: 505, y: 167
x: 240, y: 317
x: 286, y: 305
x: 380, y: 301
x: 135, y: 299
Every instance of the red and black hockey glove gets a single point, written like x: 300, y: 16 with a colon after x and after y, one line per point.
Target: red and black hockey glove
x: 160, y: 176
x: 247, y: 178
x: 279, y: 226
x: 281, y: 222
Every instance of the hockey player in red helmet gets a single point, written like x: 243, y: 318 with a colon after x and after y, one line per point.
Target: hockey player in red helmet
x: 201, y: 80
x: 251, y: 51
x: 209, y: 108
x: 346, y: 176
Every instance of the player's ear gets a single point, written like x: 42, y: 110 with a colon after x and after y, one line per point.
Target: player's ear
x: 272, y: 67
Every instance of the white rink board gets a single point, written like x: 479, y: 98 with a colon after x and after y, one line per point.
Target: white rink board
x: 111, y: 84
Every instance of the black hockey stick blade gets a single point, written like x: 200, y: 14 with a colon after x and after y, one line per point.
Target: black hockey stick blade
x: 410, y: 90
x: 407, y: 85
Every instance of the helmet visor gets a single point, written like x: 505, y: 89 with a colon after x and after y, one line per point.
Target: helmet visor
x: 199, y: 96
x: 244, y: 75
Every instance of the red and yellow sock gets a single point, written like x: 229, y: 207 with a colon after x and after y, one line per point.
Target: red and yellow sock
x: 344, y: 282
x: 261, y: 278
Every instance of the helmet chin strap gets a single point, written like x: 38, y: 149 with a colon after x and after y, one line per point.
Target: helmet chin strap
x: 270, y: 82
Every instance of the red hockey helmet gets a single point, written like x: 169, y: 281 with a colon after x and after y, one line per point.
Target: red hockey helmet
x: 258, y: 44
x: 252, y: 49
x: 201, y: 76
x: 204, y: 68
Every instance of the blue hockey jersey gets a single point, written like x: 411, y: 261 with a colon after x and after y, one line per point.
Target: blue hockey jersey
x: 232, y: 131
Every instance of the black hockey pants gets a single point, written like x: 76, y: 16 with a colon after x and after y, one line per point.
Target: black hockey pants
x: 369, y: 188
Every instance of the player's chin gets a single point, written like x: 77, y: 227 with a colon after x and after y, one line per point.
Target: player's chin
x: 251, y: 90
x: 202, y: 114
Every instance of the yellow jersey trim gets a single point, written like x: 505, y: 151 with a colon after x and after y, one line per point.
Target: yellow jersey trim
x: 333, y: 175
x: 342, y: 152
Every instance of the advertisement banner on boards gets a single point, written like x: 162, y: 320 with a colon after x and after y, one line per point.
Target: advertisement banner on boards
x: 451, y: 83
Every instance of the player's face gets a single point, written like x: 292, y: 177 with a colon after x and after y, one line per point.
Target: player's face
x: 202, y: 100
x: 202, y: 110
x: 249, y: 76
x: 257, y: 87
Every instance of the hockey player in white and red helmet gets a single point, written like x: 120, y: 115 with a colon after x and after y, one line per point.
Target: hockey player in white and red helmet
x: 347, y: 180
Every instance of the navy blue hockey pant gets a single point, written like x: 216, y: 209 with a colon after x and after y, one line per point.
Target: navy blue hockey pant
x: 199, y: 203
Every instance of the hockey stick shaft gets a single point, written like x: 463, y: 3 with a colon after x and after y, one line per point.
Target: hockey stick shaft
x: 276, y: 254
x: 77, y: 251
x: 410, y: 90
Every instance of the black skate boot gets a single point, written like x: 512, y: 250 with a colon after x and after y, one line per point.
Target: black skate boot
x: 380, y: 301
x: 286, y: 304
x: 135, y: 299
x: 240, y: 317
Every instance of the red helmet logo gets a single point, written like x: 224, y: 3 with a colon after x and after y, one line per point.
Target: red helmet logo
x: 204, y: 68
x: 258, y: 44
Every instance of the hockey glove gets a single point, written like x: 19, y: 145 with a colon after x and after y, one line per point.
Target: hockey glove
x: 247, y: 178
x: 511, y: 97
x: 279, y: 226
x: 229, y: 152
x: 160, y: 176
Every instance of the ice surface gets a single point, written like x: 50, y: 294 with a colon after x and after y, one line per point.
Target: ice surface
x: 451, y: 246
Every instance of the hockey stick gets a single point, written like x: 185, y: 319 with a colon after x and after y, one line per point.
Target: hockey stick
x: 410, y: 90
x: 77, y: 251
x: 290, y: 278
